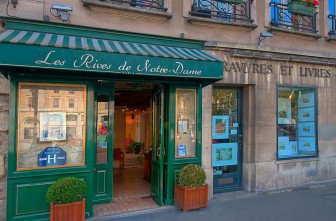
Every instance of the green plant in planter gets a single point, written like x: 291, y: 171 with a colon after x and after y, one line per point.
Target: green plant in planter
x: 135, y: 147
x: 66, y: 190
x: 191, y: 176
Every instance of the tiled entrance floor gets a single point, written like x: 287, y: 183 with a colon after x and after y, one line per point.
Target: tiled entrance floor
x: 130, y: 193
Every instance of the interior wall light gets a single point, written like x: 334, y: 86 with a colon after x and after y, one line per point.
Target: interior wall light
x: 263, y: 36
x: 61, y: 11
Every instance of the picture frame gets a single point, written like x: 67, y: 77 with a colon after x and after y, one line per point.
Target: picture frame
x: 220, y: 127
x: 306, y: 100
x: 307, y: 143
x: 182, y: 126
x: 283, y: 146
x: 224, y: 154
x: 306, y: 129
x: 306, y: 114
x: 52, y: 126
x: 293, y: 146
x: 284, y: 111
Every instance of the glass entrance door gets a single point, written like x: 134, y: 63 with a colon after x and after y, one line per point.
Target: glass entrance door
x: 157, y: 147
x: 227, y: 139
x: 103, y: 166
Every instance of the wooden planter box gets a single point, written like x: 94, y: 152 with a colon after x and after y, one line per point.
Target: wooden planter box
x: 68, y: 212
x: 191, y: 198
x: 231, y: 1
x: 301, y: 9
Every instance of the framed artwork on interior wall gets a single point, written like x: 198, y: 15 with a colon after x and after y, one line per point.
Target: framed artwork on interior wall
x: 284, y: 111
x: 307, y: 143
x: 283, y: 146
x: 220, y: 127
x: 306, y: 100
x: 224, y: 154
x: 306, y: 129
x: 306, y: 114
x: 52, y: 126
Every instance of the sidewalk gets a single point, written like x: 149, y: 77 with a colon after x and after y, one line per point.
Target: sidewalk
x: 308, y: 203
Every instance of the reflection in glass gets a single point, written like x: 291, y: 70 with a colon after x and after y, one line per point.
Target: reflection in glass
x: 185, y: 137
x: 46, y: 135
x: 296, y: 128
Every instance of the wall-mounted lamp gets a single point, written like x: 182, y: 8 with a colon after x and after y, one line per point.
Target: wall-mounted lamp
x: 14, y: 3
x: 62, y: 11
x: 263, y: 36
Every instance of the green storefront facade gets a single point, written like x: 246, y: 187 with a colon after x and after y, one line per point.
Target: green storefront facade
x: 50, y: 63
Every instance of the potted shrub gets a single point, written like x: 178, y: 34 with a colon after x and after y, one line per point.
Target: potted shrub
x: 302, y: 7
x: 191, y: 191
x: 67, y: 199
x: 135, y: 147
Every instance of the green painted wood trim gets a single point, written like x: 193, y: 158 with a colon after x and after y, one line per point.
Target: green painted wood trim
x: 44, y: 175
x: 175, y: 164
x: 67, y: 29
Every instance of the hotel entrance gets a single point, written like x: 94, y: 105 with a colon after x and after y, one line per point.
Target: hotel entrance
x: 128, y: 129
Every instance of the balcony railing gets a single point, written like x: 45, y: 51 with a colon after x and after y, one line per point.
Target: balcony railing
x: 332, y: 25
x: 281, y: 18
x: 157, y: 5
x: 222, y: 10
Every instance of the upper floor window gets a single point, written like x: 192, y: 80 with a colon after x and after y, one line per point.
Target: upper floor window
x: 71, y: 103
x: 156, y: 5
x: 295, y: 15
x: 332, y: 18
x: 223, y: 10
x: 56, y: 102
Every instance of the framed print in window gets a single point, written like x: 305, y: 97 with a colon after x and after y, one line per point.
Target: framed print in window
x: 284, y: 111
x: 224, y: 154
x: 307, y: 143
x: 52, y: 126
x: 306, y: 100
x: 220, y: 127
x: 306, y: 114
x: 306, y: 129
x: 283, y: 146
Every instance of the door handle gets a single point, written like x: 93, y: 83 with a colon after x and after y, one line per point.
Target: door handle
x: 158, y: 151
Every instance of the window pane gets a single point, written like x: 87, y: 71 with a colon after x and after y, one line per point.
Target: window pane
x: 296, y: 122
x: 102, y: 128
x: 185, y: 137
x: 46, y: 137
x: 225, y: 131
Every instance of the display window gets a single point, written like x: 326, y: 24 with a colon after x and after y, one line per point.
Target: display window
x: 296, y: 122
x: 50, y: 135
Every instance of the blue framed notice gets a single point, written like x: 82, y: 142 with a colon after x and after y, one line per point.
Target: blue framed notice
x: 307, y: 144
x: 283, y: 146
x: 181, y: 150
x: 306, y: 114
x: 220, y: 127
x: 224, y: 154
x: 306, y: 129
x: 306, y: 100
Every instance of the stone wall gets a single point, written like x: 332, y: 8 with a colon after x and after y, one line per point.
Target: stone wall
x: 4, y: 99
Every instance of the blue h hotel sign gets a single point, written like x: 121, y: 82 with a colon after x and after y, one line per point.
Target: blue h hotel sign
x: 51, y: 156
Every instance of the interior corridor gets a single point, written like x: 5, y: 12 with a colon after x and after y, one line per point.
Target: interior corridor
x: 131, y: 192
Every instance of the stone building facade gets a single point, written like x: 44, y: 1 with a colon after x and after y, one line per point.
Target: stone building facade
x: 273, y: 104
